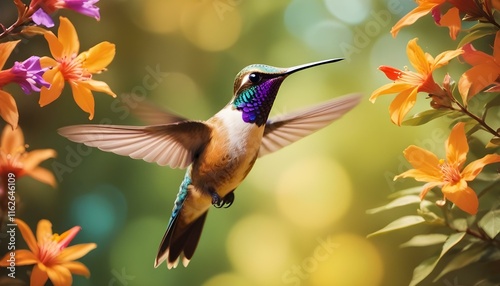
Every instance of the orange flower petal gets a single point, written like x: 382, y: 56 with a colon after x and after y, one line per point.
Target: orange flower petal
x: 22, y: 256
x: 43, y: 230
x: 424, y: 8
x: 84, y: 98
x: 389, y: 89
x: 35, y: 157
x: 452, y: 20
x: 419, y: 175
x: 423, y: 160
x: 47, y: 62
x: 12, y: 140
x: 27, y: 235
x: 457, y: 146
x: 75, y: 252
x: 68, y: 38
x: 8, y: 109
x: 418, y: 59
x: 43, y: 175
x: 496, y: 46
x: 474, y: 57
x: 59, y: 275
x: 5, y: 51
x: 476, y: 79
x: 77, y: 268
x: 474, y: 168
x: 98, y: 57
x: 38, y: 276
x: 55, y: 46
x: 56, y: 80
x: 402, y: 104
x: 465, y: 199
x: 390, y: 72
x: 444, y: 57
x: 97, y: 85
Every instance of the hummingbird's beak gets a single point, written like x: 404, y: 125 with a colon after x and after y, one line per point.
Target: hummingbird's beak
x: 291, y: 70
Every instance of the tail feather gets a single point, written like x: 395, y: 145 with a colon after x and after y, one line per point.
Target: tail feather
x: 180, y: 241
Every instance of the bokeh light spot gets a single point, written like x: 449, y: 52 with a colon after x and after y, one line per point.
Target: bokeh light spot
x: 352, y: 12
x: 300, y: 15
x: 211, y: 27
x: 355, y: 261
x: 259, y: 247
x: 100, y: 213
x: 327, y: 37
x: 314, y: 192
x: 157, y: 16
x: 232, y: 279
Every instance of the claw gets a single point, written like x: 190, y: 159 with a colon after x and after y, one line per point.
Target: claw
x: 228, y: 200
x: 219, y: 202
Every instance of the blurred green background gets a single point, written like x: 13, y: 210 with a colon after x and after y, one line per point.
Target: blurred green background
x: 299, y: 217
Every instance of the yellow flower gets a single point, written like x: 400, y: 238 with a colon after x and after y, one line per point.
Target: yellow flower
x: 50, y: 253
x: 76, y: 69
x: 15, y: 159
x: 408, y: 83
x: 449, y: 174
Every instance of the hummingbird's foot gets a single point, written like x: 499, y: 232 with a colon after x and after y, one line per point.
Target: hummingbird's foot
x: 225, y: 202
x: 228, y: 199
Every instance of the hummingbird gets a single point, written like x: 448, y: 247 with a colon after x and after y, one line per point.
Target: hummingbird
x: 217, y: 153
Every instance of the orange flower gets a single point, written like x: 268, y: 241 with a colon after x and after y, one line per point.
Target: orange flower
x: 50, y: 252
x: 408, y: 83
x: 8, y: 106
x: 76, y: 69
x: 484, y: 72
x: 450, y: 19
x: 448, y: 174
x: 15, y: 159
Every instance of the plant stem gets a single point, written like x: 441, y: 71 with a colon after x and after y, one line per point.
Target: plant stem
x: 464, y: 110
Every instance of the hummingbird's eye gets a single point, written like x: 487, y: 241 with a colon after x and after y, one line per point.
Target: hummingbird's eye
x: 254, y: 77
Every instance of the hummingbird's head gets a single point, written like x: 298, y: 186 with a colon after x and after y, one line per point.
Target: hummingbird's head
x: 256, y: 87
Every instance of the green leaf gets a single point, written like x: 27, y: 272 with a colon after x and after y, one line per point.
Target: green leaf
x: 401, y: 201
x: 405, y: 192
x: 494, y: 102
x: 425, y: 268
x: 459, y: 224
x: 425, y: 240
x: 463, y: 259
x: 400, y: 223
x: 494, y: 142
x: 476, y: 32
x: 490, y: 223
x: 425, y: 116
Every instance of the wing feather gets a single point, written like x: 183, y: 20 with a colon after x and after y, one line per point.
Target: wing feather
x: 169, y: 144
x: 283, y: 130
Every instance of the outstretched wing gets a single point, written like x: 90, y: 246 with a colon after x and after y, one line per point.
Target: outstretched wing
x: 283, y: 130
x: 173, y: 144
